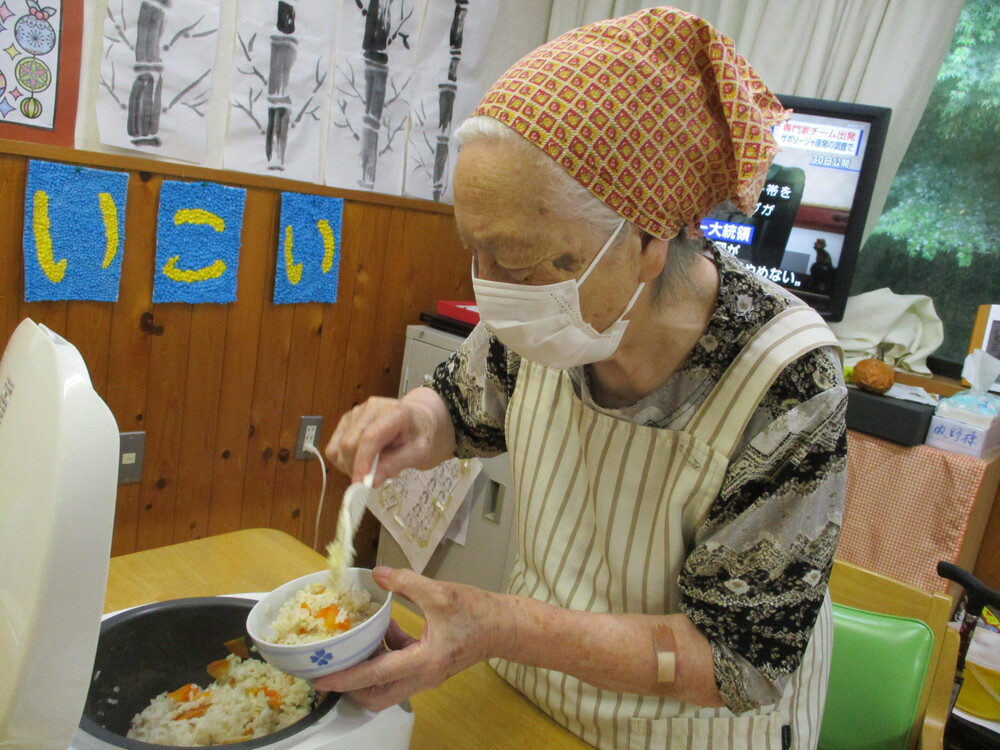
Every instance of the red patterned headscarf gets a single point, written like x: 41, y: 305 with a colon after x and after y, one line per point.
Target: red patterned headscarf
x: 655, y: 113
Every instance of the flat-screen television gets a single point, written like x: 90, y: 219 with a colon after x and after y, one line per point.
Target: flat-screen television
x: 807, y: 228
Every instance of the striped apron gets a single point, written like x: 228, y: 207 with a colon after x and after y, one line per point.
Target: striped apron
x: 607, y: 512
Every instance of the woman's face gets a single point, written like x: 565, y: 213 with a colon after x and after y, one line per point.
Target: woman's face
x: 502, y: 221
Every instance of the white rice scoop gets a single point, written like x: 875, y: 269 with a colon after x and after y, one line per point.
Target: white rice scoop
x: 340, y: 552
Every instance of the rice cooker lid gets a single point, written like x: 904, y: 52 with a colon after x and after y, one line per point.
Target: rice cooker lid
x: 59, y: 463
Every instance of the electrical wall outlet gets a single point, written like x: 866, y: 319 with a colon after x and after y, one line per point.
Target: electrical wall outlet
x: 132, y: 445
x: 309, y: 431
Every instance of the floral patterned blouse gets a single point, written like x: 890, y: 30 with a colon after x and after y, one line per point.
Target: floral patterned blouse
x: 756, y: 576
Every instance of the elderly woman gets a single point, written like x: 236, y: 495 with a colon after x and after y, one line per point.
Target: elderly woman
x: 675, y: 423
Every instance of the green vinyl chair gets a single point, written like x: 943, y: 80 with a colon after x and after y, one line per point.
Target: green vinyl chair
x: 880, y: 663
x: 893, y: 664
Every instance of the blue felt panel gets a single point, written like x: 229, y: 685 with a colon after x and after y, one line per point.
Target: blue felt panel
x: 198, y: 232
x: 74, y: 232
x: 308, y: 260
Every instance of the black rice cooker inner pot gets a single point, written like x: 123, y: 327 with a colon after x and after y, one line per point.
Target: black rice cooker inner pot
x: 158, y: 647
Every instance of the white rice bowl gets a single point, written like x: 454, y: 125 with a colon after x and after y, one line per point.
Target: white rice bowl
x: 313, y: 653
x: 252, y: 699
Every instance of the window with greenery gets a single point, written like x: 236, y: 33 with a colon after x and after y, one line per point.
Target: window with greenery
x: 939, y: 234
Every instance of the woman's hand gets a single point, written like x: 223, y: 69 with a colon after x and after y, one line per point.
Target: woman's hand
x: 412, y: 432
x: 463, y: 626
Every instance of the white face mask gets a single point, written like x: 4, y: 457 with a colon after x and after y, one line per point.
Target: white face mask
x: 544, y: 323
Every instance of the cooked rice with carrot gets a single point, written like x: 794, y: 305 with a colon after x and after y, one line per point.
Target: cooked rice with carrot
x: 317, y: 612
x: 248, y: 699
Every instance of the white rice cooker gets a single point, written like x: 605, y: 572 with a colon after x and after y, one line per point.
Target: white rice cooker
x: 58, y: 485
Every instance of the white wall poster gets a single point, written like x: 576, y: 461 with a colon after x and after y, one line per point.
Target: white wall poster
x: 372, y: 85
x: 449, y: 58
x: 279, y: 88
x: 156, y: 76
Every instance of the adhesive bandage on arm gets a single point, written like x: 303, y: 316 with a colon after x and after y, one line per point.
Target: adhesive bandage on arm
x: 664, y: 649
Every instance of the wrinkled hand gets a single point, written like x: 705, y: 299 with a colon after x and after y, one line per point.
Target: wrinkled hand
x: 414, y: 431
x: 462, y: 628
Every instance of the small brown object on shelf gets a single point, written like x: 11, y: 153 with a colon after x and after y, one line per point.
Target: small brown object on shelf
x: 873, y: 375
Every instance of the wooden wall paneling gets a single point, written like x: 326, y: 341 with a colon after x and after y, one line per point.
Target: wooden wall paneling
x: 330, y: 368
x: 168, y: 367
x: 12, y: 181
x: 367, y: 267
x: 265, y: 433
x: 365, y: 243
x: 170, y: 326
x: 242, y: 343
x: 326, y: 391
x: 289, y: 485
x: 425, y: 263
x: 432, y: 265
x: 267, y: 399
x: 199, y: 420
x: 381, y: 374
x: 132, y: 332
x: 445, y: 266
x: 88, y: 328
x: 401, y: 262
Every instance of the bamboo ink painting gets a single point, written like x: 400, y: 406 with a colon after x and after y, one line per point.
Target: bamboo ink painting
x: 374, y: 71
x: 30, y: 34
x: 279, y: 88
x: 398, y: 91
x: 450, y: 52
x: 356, y: 94
x: 156, y: 75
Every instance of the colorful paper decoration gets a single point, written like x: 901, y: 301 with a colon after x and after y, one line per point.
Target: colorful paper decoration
x: 308, y: 260
x: 198, y: 242
x: 74, y: 232
x: 40, y: 69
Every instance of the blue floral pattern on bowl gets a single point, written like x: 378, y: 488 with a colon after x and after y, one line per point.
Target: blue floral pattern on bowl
x: 321, y: 658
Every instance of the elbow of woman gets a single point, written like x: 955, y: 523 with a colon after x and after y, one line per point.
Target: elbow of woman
x: 742, y: 687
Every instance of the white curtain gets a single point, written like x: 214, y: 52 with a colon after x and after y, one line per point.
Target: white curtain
x: 878, y: 52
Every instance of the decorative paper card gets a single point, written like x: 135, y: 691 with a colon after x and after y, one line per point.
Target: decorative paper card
x: 458, y: 529
x: 156, y: 76
x: 417, y: 507
x: 279, y: 89
x: 74, y: 232
x: 198, y: 233
x: 452, y: 44
x: 308, y: 248
x: 39, y: 69
x: 372, y: 82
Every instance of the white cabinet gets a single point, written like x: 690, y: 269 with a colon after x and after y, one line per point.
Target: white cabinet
x: 486, y: 558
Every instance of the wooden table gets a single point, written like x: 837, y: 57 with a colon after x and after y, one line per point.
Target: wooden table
x: 475, y: 708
